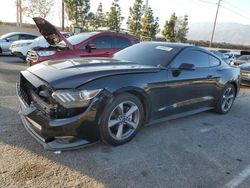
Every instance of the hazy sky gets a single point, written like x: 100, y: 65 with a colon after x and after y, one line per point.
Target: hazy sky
x: 197, y: 10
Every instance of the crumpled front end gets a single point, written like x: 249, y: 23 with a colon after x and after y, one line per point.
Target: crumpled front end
x: 55, y: 127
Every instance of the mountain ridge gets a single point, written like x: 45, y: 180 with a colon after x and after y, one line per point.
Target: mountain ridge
x: 228, y: 32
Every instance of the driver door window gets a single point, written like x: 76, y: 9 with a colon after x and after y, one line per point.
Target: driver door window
x: 197, y: 58
x: 13, y: 37
x: 103, y: 42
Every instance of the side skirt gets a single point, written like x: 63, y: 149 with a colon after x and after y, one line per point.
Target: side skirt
x: 180, y: 115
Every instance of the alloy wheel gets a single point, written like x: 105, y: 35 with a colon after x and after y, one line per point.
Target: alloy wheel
x: 228, y: 99
x: 123, y: 120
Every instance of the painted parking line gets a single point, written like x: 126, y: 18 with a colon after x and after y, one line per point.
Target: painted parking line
x: 239, y: 178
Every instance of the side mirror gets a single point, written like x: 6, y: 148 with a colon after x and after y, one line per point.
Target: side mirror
x: 7, y: 39
x: 187, y: 66
x: 90, y: 47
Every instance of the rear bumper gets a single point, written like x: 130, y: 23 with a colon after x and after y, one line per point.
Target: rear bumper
x: 60, y: 134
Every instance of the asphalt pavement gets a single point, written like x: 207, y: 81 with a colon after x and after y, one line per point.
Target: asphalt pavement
x: 205, y: 150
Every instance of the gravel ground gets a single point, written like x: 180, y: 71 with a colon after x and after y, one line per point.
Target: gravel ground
x: 204, y: 150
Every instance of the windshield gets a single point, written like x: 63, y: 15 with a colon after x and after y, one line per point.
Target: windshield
x: 5, y: 36
x: 76, y: 39
x: 152, y: 54
x: 41, y: 38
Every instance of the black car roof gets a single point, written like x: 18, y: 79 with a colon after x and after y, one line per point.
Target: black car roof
x: 169, y: 44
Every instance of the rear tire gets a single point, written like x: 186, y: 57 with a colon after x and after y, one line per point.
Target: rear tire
x: 226, y: 100
x: 121, y: 120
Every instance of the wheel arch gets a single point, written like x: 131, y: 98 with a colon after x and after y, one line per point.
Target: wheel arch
x: 141, y: 95
x: 236, y: 86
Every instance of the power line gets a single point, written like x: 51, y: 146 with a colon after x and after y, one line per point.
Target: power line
x: 202, y: 4
x: 236, y: 12
x: 208, y: 2
x: 235, y: 7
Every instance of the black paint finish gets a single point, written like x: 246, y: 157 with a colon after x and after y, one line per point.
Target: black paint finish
x: 168, y: 81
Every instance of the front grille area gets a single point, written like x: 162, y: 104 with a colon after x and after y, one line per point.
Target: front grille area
x: 41, y: 98
x: 30, y: 94
x: 31, y: 57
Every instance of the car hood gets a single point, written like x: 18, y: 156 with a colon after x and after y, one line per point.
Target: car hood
x: 65, y: 74
x: 245, y: 67
x: 50, y: 33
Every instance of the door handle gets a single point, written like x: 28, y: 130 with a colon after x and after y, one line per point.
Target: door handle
x: 210, y: 76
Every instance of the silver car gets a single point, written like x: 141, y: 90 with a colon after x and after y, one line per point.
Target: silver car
x: 7, y: 39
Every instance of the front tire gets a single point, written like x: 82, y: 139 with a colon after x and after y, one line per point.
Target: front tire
x: 226, y: 100
x: 121, y: 119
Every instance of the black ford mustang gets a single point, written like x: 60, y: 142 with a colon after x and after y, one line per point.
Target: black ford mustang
x: 68, y: 104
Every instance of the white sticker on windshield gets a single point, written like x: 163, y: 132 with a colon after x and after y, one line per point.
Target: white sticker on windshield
x: 165, y: 48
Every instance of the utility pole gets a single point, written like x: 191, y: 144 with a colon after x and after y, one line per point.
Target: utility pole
x: 146, y: 8
x: 62, y: 15
x: 215, y: 21
x: 17, y: 13
x: 20, y: 12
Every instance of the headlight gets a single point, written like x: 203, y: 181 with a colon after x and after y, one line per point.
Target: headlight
x: 46, y: 53
x: 75, y: 99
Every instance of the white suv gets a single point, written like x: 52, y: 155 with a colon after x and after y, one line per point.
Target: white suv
x: 21, y: 47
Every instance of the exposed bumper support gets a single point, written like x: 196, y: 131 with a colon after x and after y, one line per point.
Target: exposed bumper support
x: 57, y: 126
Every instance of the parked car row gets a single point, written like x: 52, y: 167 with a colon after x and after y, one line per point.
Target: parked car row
x: 226, y: 55
x: 60, y: 45
x: 241, y: 60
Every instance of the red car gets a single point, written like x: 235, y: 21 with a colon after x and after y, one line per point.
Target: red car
x: 89, y: 44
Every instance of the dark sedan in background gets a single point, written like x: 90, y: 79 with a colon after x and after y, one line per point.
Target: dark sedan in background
x: 245, y: 74
x: 67, y: 104
x: 241, y: 60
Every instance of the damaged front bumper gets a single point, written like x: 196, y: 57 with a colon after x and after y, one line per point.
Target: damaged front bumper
x: 60, y: 134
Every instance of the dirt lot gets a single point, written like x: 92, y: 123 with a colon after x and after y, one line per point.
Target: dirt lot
x: 204, y: 150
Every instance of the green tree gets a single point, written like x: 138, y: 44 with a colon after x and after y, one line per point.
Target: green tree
x: 114, y: 18
x: 99, y: 19
x: 150, y: 25
x: 77, y: 11
x: 169, y: 31
x: 40, y: 8
x: 182, y: 29
x: 135, y: 16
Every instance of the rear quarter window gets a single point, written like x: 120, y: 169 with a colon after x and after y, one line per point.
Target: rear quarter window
x: 214, y: 61
x: 121, y: 42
